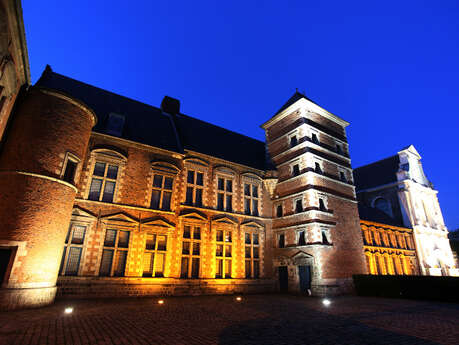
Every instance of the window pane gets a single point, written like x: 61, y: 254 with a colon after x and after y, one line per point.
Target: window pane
x: 106, y: 262
x: 186, y: 248
x: 247, y: 206
x: 228, y: 251
x: 73, y: 261
x: 186, y: 232
x: 220, y: 201
x: 155, y: 195
x: 197, y: 233
x: 219, y: 250
x: 220, y: 235
x: 219, y: 271
x: 248, y: 271
x: 247, y: 238
x: 189, y: 196
x: 69, y: 173
x: 94, y: 190
x: 293, y: 141
x: 248, y: 252
x: 228, y: 236
x: 256, y: 269
x: 221, y: 184
x: 198, y: 197
x: 195, y: 268
x: 157, y: 181
x: 150, y: 243
x: 166, y: 206
x: 110, y: 236
x: 229, y: 203
x: 168, y: 183
x: 184, y: 268
x: 123, y: 240
x: 322, y: 205
x: 299, y: 206
x: 247, y: 189
x: 255, y: 191
x: 255, y: 252
x: 227, y: 268
x: 281, y: 241
x: 99, y: 169
x: 279, y: 210
x: 108, y: 191
x: 255, y: 238
x: 190, y: 178
x: 255, y: 207
x: 162, y: 242
x: 199, y: 179
x: 148, y: 259
x: 229, y: 186
x: 120, y: 263
x: 78, y: 234
x: 159, y: 265
x: 196, y: 248
x: 301, y: 238
x: 112, y: 172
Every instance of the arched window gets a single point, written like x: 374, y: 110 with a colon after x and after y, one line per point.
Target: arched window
x: 383, y: 205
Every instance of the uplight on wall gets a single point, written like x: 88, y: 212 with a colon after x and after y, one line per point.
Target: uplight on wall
x: 68, y: 310
x: 326, y: 302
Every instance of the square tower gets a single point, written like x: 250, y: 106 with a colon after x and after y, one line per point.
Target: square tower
x: 316, y: 234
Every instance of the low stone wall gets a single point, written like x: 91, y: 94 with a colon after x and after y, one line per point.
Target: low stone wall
x: 15, y: 298
x: 102, y: 287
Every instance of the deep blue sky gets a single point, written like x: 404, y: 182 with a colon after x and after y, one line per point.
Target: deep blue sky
x: 390, y: 68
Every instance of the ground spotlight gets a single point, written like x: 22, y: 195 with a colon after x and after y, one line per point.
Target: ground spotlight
x: 238, y: 298
x: 161, y: 301
x: 68, y: 310
x: 326, y: 302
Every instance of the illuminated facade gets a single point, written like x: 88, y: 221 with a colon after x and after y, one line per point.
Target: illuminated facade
x: 398, y: 186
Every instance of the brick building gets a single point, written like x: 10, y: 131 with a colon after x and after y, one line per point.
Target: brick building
x: 102, y: 195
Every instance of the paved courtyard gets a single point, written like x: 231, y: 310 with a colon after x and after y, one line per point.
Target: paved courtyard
x: 257, y: 319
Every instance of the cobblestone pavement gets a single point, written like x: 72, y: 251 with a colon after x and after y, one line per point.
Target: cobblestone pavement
x: 257, y: 319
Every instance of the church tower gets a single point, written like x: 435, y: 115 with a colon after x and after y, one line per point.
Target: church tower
x: 316, y: 233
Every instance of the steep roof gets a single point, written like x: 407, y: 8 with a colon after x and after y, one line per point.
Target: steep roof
x: 147, y: 124
x: 374, y: 215
x: 377, y: 173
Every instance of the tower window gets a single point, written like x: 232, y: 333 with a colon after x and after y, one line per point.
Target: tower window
x: 317, y: 168
x: 342, y: 176
x: 70, y: 170
x: 322, y: 206
x: 279, y: 212
x: 293, y: 141
x: 281, y: 241
x: 301, y: 238
x: 298, y: 206
x: 339, y: 149
x: 296, y: 170
x: 314, y: 138
x: 325, y: 236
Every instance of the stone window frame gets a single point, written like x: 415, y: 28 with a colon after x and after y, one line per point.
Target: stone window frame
x: 197, y: 165
x: 298, y: 235
x: 65, y: 257
x: 190, y: 256
x: 292, y: 168
x: 316, y: 133
x: 253, y: 180
x: 316, y: 161
x: 75, y: 159
x: 252, y: 259
x: 347, y: 179
x: 155, y: 252
x: 325, y: 200
x: 276, y: 207
x: 295, y: 201
x: 165, y: 169
x: 227, y: 174
x: 116, y: 249
x: 224, y: 243
x: 290, y: 136
x: 327, y: 231
x: 106, y: 156
x: 252, y: 226
x: 278, y: 239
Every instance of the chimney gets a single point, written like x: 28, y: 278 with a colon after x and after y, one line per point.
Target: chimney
x: 170, y: 105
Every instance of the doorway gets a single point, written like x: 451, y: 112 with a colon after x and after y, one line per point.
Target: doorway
x: 305, y: 278
x: 283, y: 278
x: 5, y: 256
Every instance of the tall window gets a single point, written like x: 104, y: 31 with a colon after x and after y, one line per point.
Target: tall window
x: 251, y: 199
x: 154, y: 257
x: 279, y: 211
x: 223, y: 253
x: 114, y: 254
x: 103, y: 182
x: 317, y: 168
x: 72, y: 250
x: 339, y: 149
x: 225, y: 194
x: 293, y: 141
x: 298, y: 206
x: 301, y: 238
x: 71, y: 165
x: 295, y: 170
x: 252, y: 255
x: 314, y: 138
x: 161, y: 194
x: 194, y: 189
x: 281, y: 241
x: 191, y: 251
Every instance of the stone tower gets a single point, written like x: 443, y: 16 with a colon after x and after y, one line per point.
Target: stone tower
x: 317, y: 240
x: 39, y: 165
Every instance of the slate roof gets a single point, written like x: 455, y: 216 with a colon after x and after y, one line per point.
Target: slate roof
x: 147, y: 124
x: 377, y: 173
x: 374, y: 215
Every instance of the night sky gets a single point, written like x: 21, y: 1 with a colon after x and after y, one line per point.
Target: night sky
x: 389, y: 68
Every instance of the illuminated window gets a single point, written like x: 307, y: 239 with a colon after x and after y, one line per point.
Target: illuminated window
x: 252, y: 255
x: 195, y: 187
x: 154, y: 257
x: 70, y: 168
x: 279, y: 211
x: 293, y: 141
x: 73, y: 249
x: 251, y: 199
x: 161, y: 194
x: 223, y: 253
x: 115, y: 252
x: 281, y: 241
x: 103, y: 182
x: 301, y: 238
x: 191, y: 252
x: 224, y: 194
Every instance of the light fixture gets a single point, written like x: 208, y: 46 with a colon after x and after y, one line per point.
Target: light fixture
x: 68, y: 310
x: 326, y: 302
x: 238, y: 298
x: 161, y: 301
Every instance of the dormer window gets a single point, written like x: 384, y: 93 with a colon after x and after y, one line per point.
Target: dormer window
x: 293, y: 141
x: 115, y: 124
